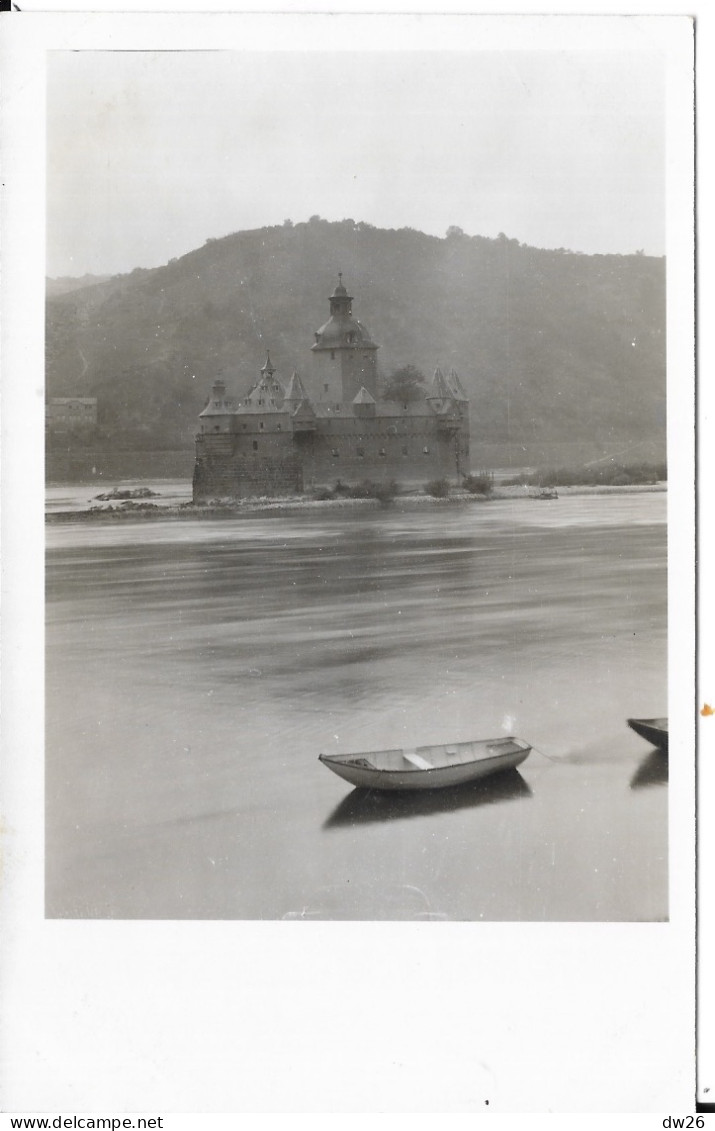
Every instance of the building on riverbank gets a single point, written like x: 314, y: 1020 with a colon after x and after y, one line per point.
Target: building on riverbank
x: 70, y: 415
x: 329, y: 425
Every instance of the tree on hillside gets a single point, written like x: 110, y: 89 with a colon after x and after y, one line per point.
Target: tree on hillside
x: 405, y: 384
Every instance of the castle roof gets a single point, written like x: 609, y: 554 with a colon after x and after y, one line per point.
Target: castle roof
x: 364, y: 397
x: 218, y: 403
x: 295, y: 392
x: 340, y: 291
x: 342, y: 331
x: 268, y: 395
x: 297, y: 402
x: 456, y: 387
x: 267, y: 368
x: 439, y: 389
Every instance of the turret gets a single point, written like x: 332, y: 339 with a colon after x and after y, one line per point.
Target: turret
x: 344, y: 355
x: 217, y: 414
x: 341, y: 303
x: 456, y: 387
x: 295, y: 393
x: 268, y: 395
x: 439, y: 395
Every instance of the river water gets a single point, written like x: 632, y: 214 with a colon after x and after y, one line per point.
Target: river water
x: 197, y: 667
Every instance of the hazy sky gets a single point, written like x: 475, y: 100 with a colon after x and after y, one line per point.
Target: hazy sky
x: 151, y: 153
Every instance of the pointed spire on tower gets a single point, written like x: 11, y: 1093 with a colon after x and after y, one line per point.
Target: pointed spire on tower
x: 295, y: 393
x: 268, y: 392
x: 456, y: 386
x: 340, y: 291
x: 439, y: 390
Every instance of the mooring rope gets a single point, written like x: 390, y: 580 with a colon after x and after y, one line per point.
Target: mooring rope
x: 543, y: 755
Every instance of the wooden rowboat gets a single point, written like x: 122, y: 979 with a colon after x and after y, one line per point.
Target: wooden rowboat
x: 654, y: 731
x: 428, y: 767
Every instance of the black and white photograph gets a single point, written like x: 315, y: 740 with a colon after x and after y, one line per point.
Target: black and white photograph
x: 361, y: 376
x: 379, y: 491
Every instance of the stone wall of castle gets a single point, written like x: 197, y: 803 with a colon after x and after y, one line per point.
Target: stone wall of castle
x: 410, y: 451
x: 228, y: 466
x: 382, y: 448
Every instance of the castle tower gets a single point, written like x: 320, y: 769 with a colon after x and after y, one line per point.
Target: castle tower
x: 456, y: 387
x: 295, y: 393
x: 268, y: 394
x: 344, y: 356
x: 439, y: 394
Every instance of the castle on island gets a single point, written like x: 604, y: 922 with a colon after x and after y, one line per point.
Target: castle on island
x: 330, y: 425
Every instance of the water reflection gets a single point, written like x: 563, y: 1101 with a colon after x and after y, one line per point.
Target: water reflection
x: 195, y: 669
x: 653, y: 770
x: 364, y: 806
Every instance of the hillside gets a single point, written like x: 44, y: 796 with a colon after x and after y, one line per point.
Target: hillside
x: 67, y: 283
x: 550, y: 345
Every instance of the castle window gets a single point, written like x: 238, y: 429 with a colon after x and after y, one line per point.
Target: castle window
x: 255, y: 445
x: 260, y: 425
x: 381, y: 452
x: 361, y: 451
x: 216, y: 428
x: 404, y: 451
x: 332, y: 357
x: 280, y: 426
x: 425, y: 451
x: 335, y: 453
x: 325, y: 387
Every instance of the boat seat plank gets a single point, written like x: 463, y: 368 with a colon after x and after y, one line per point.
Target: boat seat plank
x: 416, y: 760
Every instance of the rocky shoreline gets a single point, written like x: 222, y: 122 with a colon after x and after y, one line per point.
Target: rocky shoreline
x: 138, y: 509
